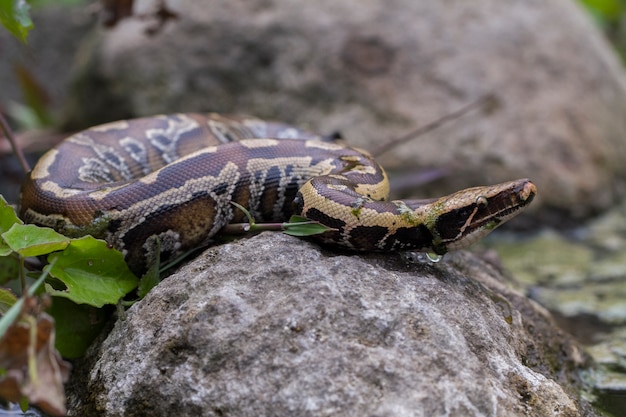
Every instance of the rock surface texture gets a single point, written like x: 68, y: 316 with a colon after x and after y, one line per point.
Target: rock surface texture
x: 276, y: 326
x: 581, y: 279
x: 376, y: 70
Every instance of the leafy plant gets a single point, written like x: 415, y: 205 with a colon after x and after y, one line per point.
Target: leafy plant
x: 84, y: 270
x: 81, y: 276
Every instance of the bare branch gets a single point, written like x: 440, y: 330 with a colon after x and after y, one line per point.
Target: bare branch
x: 486, y: 101
x: 4, y: 125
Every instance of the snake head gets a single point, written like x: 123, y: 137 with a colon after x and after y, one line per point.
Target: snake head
x: 460, y: 219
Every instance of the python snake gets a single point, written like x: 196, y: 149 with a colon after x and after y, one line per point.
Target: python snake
x: 173, y: 177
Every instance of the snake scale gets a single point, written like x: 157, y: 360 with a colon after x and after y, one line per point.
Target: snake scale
x: 172, y: 178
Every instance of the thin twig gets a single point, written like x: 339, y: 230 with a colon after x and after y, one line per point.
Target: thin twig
x: 236, y: 229
x: 385, y: 147
x: 16, y: 149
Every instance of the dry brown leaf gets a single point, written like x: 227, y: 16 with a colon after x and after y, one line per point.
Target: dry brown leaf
x: 33, y: 368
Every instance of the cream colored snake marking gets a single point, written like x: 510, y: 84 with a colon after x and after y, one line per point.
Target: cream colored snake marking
x: 173, y: 177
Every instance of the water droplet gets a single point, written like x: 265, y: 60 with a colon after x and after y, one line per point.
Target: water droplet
x: 421, y: 257
x: 433, y: 257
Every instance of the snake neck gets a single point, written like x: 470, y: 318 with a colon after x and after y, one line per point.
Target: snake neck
x: 448, y: 223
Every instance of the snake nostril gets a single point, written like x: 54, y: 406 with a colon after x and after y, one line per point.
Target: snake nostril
x: 526, y: 192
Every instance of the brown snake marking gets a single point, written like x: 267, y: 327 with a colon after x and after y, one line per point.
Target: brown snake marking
x: 172, y: 178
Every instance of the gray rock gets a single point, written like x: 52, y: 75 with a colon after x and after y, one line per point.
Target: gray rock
x: 376, y: 70
x: 276, y: 326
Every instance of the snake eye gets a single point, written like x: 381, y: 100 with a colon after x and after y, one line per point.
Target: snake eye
x: 481, y: 200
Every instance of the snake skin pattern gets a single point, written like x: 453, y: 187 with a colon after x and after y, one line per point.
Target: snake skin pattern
x: 168, y: 181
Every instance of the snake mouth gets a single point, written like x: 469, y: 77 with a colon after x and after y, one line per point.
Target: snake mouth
x: 474, y: 213
x: 507, y: 202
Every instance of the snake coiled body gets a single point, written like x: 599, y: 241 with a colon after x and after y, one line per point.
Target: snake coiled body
x: 172, y: 179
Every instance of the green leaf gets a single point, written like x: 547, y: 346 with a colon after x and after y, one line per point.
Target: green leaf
x: 31, y: 240
x: 14, y: 311
x: 93, y: 273
x: 76, y: 326
x: 35, y: 95
x: 14, y: 16
x: 8, y: 217
x: 151, y: 278
x: 301, y: 226
x: 5, y: 250
x: 10, y: 316
x: 245, y: 211
x: 9, y: 268
x: 7, y: 299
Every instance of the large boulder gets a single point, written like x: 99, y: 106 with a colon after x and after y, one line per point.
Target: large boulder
x: 376, y: 70
x: 275, y: 326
